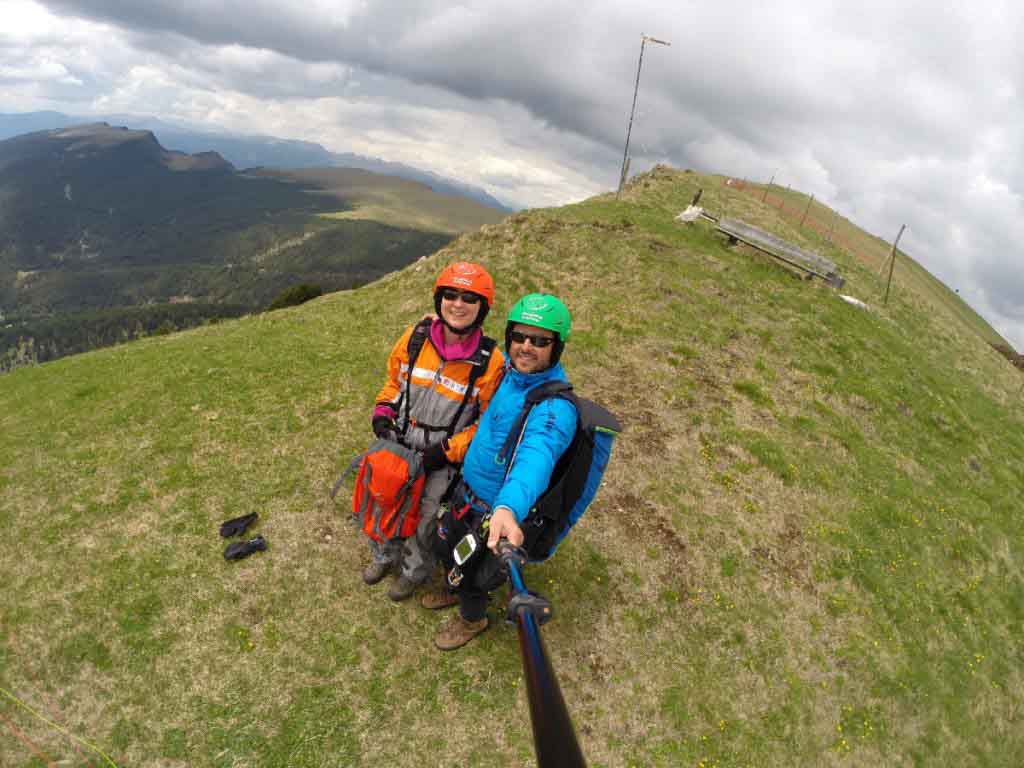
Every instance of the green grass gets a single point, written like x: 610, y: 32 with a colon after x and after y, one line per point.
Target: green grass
x: 393, y: 201
x: 807, y: 549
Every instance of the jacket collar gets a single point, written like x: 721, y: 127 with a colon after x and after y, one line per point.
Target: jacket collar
x: 530, y: 380
x: 464, y: 349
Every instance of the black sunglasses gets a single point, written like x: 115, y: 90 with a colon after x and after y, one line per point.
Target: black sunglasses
x: 537, y: 341
x: 449, y: 294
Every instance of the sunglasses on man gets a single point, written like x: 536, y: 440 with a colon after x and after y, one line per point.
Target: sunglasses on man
x: 537, y: 341
x: 448, y: 294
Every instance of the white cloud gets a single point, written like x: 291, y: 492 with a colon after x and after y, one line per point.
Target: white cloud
x: 26, y: 22
x: 37, y: 68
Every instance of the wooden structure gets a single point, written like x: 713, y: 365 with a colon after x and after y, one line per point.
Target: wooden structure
x: 805, y: 261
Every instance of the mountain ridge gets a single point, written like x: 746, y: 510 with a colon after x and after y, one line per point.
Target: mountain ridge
x: 252, y: 151
x: 96, y: 219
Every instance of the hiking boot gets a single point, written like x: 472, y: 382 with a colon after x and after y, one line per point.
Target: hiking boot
x: 457, y: 632
x: 375, y: 571
x: 439, y: 598
x: 401, y: 588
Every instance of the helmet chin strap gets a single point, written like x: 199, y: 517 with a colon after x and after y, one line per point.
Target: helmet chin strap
x: 457, y: 331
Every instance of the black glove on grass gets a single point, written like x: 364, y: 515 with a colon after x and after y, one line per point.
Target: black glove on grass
x: 239, y: 549
x: 236, y: 526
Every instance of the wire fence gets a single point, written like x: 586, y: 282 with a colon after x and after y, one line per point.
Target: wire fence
x: 872, y: 251
x: 803, y: 214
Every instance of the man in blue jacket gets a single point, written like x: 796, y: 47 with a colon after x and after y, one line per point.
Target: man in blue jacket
x: 493, y: 497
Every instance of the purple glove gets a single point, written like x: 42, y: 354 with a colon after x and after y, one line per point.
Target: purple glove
x: 384, y: 425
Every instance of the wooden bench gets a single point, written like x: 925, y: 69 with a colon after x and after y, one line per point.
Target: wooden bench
x: 810, y: 263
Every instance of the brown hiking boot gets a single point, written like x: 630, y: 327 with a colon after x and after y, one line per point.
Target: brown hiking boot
x: 401, y: 588
x: 457, y: 632
x: 375, y: 571
x: 439, y: 598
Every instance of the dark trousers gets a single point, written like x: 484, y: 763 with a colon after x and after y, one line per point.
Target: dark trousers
x: 483, y: 574
x: 472, y: 602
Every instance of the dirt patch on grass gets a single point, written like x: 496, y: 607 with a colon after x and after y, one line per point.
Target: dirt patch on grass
x: 643, y: 523
x: 787, y: 559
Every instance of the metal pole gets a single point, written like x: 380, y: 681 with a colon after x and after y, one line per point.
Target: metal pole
x: 765, y: 195
x: 554, y: 738
x: 892, y: 263
x: 629, y: 130
x: 632, y: 111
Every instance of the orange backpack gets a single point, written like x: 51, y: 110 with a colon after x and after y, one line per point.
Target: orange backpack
x: 388, y: 487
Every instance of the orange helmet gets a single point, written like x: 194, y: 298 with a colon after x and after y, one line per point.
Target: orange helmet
x: 464, y: 276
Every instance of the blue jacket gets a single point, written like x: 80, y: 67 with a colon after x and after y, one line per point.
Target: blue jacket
x: 549, y: 430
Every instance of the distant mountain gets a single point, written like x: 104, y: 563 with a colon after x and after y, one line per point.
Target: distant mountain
x: 105, y: 234
x: 252, y: 151
x: 94, y: 194
x: 432, y: 180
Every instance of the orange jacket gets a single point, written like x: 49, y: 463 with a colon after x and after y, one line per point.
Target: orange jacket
x: 437, y: 390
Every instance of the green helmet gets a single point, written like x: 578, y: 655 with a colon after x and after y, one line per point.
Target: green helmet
x: 543, y: 311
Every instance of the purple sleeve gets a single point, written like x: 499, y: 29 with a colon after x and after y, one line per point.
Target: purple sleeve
x: 384, y: 410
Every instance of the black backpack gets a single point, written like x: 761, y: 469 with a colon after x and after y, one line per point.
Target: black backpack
x: 577, y: 474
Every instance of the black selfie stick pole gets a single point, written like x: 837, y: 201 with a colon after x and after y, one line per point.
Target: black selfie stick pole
x: 554, y: 738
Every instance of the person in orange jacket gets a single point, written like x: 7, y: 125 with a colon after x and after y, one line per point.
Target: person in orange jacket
x: 431, y: 409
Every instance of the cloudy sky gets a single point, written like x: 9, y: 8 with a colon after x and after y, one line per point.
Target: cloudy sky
x: 896, y: 112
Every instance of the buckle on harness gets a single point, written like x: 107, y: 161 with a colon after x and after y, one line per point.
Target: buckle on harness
x: 455, y: 576
x: 464, y: 493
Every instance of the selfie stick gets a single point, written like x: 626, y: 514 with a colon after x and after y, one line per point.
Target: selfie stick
x: 554, y: 738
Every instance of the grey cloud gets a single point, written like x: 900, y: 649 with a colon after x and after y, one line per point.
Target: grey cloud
x: 576, y: 74
x: 1008, y: 301
x: 890, y: 111
x: 534, y: 59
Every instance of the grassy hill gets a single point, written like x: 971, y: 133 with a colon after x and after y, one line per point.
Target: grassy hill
x: 807, y: 551
x: 390, y: 200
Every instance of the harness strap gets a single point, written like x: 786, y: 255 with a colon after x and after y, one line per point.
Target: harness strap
x: 428, y: 427
x: 462, y: 492
x: 479, y: 362
x: 479, y: 366
x: 416, y: 341
x: 546, y: 390
x: 352, y: 467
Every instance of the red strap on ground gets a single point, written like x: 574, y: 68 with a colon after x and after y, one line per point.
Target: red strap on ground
x: 28, y: 743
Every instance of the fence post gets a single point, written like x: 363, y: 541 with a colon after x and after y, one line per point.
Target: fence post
x: 805, y: 211
x: 765, y: 195
x: 892, y: 263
